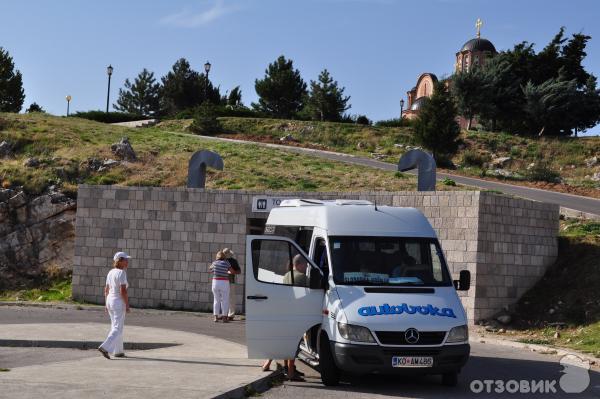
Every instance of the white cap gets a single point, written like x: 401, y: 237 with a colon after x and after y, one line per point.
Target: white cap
x: 120, y: 255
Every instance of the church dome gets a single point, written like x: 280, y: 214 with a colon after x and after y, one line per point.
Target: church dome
x: 418, y: 103
x: 478, y: 44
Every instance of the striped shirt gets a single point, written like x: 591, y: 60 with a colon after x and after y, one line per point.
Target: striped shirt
x: 219, y: 268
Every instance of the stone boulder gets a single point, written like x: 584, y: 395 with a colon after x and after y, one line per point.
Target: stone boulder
x: 288, y: 138
x: 500, y: 162
x: 124, y: 150
x: 591, y: 162
x: 31, y: 163
x: 6, y: 149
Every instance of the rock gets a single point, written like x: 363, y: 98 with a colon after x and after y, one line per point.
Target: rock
x: 491, y: 329
x: 399, y: 145
x: 504, y: 319
x: 501, y: 162
x: 124, y: 150
x: 591, y: 162
x: 551, y: 311
x: 92, y: 164
x: 109, y: 162
x: 501, y: 331
x: 596, y: 176
x: 360, y: 145
x: 568, y: 341
x: 31, y: 163
x: 6, y: 149
x: 504, y: 173
x: 288, y: 138
x: 556, y: 335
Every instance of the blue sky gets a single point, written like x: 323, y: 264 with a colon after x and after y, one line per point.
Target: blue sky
x: 375, y: 48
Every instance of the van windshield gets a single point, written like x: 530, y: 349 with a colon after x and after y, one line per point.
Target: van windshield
x: 388, y: 261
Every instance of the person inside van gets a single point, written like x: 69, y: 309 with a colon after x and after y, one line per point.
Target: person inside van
x: 297, y: 276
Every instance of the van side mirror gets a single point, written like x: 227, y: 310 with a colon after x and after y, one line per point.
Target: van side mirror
x: 464, y: 281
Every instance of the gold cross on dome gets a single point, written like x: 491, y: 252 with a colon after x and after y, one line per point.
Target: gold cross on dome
x: 478, y: 26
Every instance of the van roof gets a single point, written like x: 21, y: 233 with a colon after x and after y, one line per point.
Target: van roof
x: 352, y: 218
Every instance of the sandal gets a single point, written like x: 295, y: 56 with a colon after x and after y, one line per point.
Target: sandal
x: 296, y: 378
x: 104, y: 353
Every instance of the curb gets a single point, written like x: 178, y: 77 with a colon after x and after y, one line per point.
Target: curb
x: 83, y: 345
x: 258, y: 386
x: 543, y: 349
x: 99, y: 308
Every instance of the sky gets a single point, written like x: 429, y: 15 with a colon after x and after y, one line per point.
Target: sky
x: 376, y: 49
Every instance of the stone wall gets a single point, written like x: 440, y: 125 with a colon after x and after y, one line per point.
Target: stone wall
x: 173, y: 234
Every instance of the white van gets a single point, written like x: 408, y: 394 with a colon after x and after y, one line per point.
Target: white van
x: 350, y: 286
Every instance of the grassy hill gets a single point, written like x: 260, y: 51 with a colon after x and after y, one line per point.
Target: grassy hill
x: 64, y: 146
x: 538, y: 162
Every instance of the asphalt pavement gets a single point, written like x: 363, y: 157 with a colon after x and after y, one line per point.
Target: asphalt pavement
x: 570, y: 201
x: 500, y: 364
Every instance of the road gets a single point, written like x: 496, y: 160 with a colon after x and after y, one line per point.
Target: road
x: 576, y: 202
x: 488, y: 362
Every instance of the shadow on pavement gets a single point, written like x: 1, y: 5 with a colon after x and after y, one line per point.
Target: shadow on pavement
x: 152, y: 359
x: 24, y: 343
x: 478, y: 368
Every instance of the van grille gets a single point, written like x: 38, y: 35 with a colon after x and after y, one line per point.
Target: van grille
x: 397, y: 338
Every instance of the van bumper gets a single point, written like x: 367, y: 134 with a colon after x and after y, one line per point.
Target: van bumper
x: 367, y: 359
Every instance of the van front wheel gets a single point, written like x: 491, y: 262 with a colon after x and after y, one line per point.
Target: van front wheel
x: 330, y: 374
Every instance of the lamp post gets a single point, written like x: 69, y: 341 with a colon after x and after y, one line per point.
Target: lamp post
x: 68, y: 98
x: 109, y: 71
x: 207, y: 70
x: 401, y: 107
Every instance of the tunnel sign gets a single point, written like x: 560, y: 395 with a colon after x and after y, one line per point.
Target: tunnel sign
x: 265, y: 204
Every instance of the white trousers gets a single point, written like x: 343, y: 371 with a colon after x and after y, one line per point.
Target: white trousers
x: 116, y: 310
x: 220, y: 289
x: 231, y: 300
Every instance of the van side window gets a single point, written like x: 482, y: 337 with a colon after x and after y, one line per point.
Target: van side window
x: 300, y: 234
x: 278, y: 262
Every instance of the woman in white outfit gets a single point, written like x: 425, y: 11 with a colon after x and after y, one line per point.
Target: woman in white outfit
x: 117, y: 303
x: 221, y: 269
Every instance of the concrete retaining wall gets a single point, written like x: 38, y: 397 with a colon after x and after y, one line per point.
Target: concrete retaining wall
x: 173, y: 234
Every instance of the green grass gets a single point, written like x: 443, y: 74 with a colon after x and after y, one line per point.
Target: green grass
x: 564, y: 156
x: 63, y: 145
x: 57, y: 291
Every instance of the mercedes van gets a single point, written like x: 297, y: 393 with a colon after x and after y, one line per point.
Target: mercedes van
x: 349, y: 286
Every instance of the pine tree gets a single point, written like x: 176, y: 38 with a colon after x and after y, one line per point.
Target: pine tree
x: 546, y: 105
x: 12, y: 94
x: 435, y: 127
x: 282, y: 91
x: 469, y: 94
x: 183, y: 88
x: 235, y: 97
x: 326, y: 101
x: 141, y: 97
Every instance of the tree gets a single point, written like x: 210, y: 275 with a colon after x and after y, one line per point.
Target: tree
x: 326, y: 101
x: 141, y: 97
x: 546, y: 104
x: 34, y: 107
x: 469, y: 93
x: 183, y: 88
x: 205, y: 120
x: 235, y: 97
x: 282, y: 91
x: 12, y: 94
x: 435, y: 127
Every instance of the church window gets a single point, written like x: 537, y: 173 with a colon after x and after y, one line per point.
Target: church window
x: 476, y: 60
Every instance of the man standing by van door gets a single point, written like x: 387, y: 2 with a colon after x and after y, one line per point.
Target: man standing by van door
x: 229, y: 256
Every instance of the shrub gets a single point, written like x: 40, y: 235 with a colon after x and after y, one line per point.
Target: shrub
x: 473, y: 158
x: 448, y: 182
x: 363, y: 120
x: 541, y: 172
x: 396, y: 122
x: 222, y: 111
x: 110, y: 117
x: 205, y: 121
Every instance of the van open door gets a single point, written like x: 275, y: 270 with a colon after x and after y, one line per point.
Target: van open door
x: 280, y: 303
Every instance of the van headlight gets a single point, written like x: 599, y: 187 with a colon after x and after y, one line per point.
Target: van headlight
x: 355, y: 333
x: 458, y: 334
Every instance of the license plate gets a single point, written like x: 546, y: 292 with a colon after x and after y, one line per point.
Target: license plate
x: 412, y: 361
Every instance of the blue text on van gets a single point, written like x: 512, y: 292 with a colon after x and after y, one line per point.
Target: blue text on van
x: 386, y: 309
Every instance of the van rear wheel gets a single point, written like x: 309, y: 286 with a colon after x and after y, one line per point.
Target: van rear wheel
x: 330, y: 374
x: 450, y: 379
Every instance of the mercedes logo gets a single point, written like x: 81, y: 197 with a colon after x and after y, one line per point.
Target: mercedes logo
x: 411, y: 335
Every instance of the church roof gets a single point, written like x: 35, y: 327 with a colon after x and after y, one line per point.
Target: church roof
x: 478, y: 44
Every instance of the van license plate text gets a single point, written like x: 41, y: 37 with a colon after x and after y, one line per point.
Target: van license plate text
x: 412, y: 361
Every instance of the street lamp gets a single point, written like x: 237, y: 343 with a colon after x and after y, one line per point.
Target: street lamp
x: 207, y: 70
x: 68, y: 98
x: 109, y: 71
x: 401, y: 107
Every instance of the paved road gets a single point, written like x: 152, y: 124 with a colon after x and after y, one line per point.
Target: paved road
x: 487, y: 361
x: 576, y: 202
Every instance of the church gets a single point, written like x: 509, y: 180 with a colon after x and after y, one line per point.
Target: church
x: 474, y: 52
